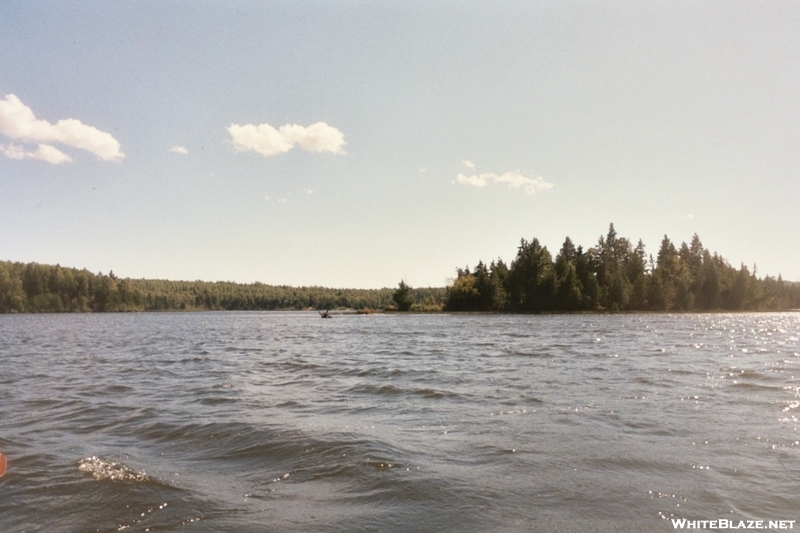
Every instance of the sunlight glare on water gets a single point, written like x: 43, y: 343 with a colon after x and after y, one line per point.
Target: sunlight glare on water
x: 279, y: 421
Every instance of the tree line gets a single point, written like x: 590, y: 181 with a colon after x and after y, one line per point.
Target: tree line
x: 612, y: 275
x: 37, y: 288
x: 615, y: 275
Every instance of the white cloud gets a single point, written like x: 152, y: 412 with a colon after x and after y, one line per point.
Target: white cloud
x: 309, y: 191
x: 263, y: 139
x: 477, y: 181
x: 17, y: 121
x: 179, y: 150
x: 268, y: 141
x: 51, y: 154
x: 469, y: 164
x: 423, y: 170
x: 515, y: 180
x: 683, y: 216
x: 317, y: 137
x: 45, y: 152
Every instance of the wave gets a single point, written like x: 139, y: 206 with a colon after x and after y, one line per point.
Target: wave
x: 391, y: 390
x: 106, y: 469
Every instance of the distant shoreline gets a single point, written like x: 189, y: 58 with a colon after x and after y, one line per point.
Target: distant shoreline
x: 395, y: 312
x: 34, y: 287
x: 611, y: 278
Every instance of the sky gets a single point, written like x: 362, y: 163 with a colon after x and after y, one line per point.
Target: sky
x: 355, y: 144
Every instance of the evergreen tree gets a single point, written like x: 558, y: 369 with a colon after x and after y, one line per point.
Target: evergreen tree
x: 708, y: 287
x: 585, y: 271
x: 569, y: 289
x: 401, y: 296
x: 499, y: 278
x: 738, y: 291
x: 531, y: 278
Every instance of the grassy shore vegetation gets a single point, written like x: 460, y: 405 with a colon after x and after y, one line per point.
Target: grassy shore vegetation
x: 32, y: 287
x: 616, y: 275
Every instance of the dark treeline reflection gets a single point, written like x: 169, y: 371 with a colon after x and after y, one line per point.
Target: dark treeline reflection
x: 616, y: 275
x: 36, y: 288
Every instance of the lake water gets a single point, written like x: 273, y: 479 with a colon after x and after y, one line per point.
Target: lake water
x: 283, y: 422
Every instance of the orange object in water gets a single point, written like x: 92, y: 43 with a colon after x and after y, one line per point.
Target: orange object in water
x: 2, y: 464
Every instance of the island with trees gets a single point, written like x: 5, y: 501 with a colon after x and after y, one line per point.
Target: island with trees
x: 615, y: 275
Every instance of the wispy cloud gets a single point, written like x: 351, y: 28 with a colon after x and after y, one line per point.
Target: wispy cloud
x: 268, y: 141
x: 45, y: 152
x: 469, y: 164
x: 17, y: 121
x: 514, y: 179
x: 179, y: 150
x: 683, y: 216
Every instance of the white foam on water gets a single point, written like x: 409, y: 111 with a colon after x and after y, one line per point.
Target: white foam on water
x: 106, y: 469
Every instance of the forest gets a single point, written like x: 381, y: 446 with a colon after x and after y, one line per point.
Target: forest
x: 36, y: 288
x: 615, y: 275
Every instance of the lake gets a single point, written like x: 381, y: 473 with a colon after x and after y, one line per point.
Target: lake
x: 283, y: 422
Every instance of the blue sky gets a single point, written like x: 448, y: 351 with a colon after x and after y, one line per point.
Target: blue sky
x: 354, y: 144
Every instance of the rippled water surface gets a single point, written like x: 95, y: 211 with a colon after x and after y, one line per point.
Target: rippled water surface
x: 282, y: 422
